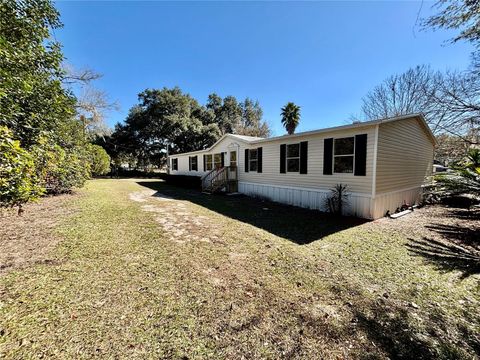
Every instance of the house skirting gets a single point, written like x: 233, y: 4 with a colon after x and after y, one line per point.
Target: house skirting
x: 359, y: 204
x: 392, y: 200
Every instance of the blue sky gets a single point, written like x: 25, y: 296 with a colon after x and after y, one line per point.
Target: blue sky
x: 324, y: 56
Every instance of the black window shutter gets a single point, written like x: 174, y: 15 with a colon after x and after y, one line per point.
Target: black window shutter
x: 327, y: 156
x: 246, y: 159
x: 259, y: 159
x: 196, y: 162
x: 361, y: 155
x: 189, y: 163
x: 223, y: 159
x: 283, y: 158
x: 204, y: 162
x: 303, y: 157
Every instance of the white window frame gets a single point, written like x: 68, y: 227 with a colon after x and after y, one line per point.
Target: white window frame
x: 175, y: 164
x: 344, y: 155
x: 295, y: 157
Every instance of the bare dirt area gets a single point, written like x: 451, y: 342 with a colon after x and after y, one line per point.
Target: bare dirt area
x: 28, y: 239
x: 448, y: 237
x: 175, y: 217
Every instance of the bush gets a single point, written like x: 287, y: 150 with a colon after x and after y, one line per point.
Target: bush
x: 135, y: 173
x: 61, y: 169
x: 99, y: 160
x: 186, y: 181
x: 464, y: 180
x: 337, y: 200
x: 18, y: 179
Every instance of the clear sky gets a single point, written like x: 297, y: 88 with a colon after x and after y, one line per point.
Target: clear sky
x: 324, y: 56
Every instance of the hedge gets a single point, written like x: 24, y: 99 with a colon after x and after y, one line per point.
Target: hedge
x: 186, y: 181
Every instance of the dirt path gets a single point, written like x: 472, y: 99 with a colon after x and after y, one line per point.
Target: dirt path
x: 176, y: 219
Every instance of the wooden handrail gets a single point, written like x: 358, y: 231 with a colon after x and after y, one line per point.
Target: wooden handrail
x: 218, y: 178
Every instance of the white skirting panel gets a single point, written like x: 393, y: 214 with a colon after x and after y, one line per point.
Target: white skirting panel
x: 391, y: 201
x: 359, y: 204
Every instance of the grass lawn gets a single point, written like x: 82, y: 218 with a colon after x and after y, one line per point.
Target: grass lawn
x: 144, y: 270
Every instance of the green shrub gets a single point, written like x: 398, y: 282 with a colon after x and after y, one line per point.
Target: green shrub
x: 99, y: 159
x: 18, y: 178
x: 463, y: 180
x: 61, y: 169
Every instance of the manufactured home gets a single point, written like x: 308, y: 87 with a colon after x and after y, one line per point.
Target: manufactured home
x: 383, y: 162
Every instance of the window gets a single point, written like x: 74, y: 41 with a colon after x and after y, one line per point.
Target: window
x: 293, y: 158
x: 343, y: 155
x: 175, y: 164
x: 208, y: 162
x: 233, y: 158
x: 193, y: 163
x: 217, y: 159
x: 253, y: 159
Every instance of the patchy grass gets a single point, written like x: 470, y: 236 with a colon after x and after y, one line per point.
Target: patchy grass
x: 184, y: 275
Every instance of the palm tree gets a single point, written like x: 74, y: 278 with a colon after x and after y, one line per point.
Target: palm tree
x: 290, y: 117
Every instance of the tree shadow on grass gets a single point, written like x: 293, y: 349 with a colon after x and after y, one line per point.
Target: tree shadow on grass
x: 394, y: 329
x: 467, y: 236
x: 457, y: 213
x: 447, y: 257
x: 299, y: 225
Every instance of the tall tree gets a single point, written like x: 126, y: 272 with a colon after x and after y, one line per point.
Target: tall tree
x: 36, y: 109
x: 32, y: 99
x: 400, y: 94
x: 290, y: 117
x: 450, y: 101
x: 463, y: 15
x: 165, y: 117
x: 251, y: 121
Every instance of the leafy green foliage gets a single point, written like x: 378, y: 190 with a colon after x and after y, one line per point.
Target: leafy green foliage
x: 338, y: 199
x: 465, y: 179
x: 45, y: 148
x: 61, y: 169
x: 100, y: 160
x: 18, y: 178
x: 32, y: 99
x: 169, y: 117
x: 290, y: 117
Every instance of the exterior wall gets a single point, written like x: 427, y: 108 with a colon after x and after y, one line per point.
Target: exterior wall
x: 314, y: 179
x: 225, y: 146
x: 404, y: 157
x: 404, y: 160
x: 359, y: 204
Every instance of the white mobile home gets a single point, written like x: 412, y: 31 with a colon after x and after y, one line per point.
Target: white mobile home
x: 383, y: 162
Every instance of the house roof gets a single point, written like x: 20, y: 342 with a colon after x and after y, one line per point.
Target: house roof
x: 419, y: 116
x: 243, y: 138
x: 258, y: 140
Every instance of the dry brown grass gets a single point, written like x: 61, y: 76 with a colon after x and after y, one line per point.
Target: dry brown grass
x: 29, y: 239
